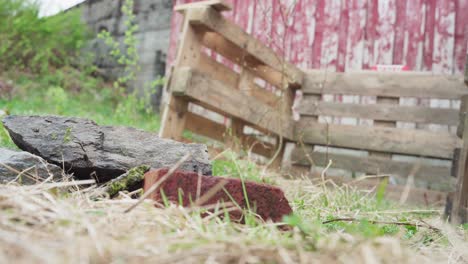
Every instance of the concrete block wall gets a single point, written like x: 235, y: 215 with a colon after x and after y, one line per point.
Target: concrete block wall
x: 154, y: 21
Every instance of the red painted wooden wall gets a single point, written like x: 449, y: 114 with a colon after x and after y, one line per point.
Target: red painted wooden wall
x: 342, y: 35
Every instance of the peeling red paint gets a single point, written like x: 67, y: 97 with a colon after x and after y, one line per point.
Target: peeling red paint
x: 400, y: 23
x: 426, y: 35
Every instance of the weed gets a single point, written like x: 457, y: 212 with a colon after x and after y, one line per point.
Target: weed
x: 34, y: 44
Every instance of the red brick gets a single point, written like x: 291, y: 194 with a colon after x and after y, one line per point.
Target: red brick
x: 269, y: 201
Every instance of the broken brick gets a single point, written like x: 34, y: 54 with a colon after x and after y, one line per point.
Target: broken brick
x: 267, y: 201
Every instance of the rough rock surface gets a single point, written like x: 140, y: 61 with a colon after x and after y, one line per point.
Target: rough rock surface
x: 102, y: 152
x: 27, y: 163
x: 269, y: 201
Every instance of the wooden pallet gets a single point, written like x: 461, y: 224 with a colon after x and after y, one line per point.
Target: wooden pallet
x: 361, y: 149
x: 251, y: 86
x: 254, y: 88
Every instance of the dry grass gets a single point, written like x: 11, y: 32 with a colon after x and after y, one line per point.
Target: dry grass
x: 53, y: 224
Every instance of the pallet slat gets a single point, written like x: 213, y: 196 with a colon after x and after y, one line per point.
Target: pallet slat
x: 383, y: 139
x: 205, y: 127
x: 197, y: 86
x: 369, y: 83
x: 383, y: 112
x: 218, y: 71
x: 218, y: 5
x: 237, y: 55
x: 214, y: 21
x: 437, y: 177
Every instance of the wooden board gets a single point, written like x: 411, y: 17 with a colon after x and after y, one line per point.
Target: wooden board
x: 237, y: 55
x: 383, y: 139
x: 218, y: 71
x: 173, y: 119
x: 466, y: 70
x: 197, y: 86
x: 387, y: 112
x: 205, y: 127
x: 367, y: 32
x: 459, y: 212
x: 437, y: 177
x: 218, y: 5
x: 248, y: 86
x: 214, y: 21
x: 384, y: 84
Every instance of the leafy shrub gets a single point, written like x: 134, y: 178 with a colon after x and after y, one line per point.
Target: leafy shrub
x: 32, y: 43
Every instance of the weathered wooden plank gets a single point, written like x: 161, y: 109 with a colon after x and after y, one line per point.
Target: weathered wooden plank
x: 429, y: 31
x: 371, y: 83
x: 444, y: 37
x: 383, y: 139
x: 459, y: 212
x: 188, y: 54
x: 466, y: 70
x: 437, y: 177
x: 385, y: 28
x: 248, y: 86
x: 343, y: 35
x: 197, y: 86
x: 237, y: 55
x: 218, y: 71
x: 385, y: 112
x: 214, y: 21
x: 218, y: 5
x: 205, y: 127
x: 400, y: 23
x: 461, y: 36
x: 415, y: 34
x: 319, y: 24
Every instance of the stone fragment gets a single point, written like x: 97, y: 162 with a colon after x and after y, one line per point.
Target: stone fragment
x: 101, y: 152
x: 32, y: 168
x: 267, y: 201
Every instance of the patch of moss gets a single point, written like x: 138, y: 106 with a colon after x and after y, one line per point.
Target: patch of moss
x: 124, y: 182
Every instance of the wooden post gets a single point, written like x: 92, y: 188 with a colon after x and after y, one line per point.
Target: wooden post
x: 459, y: 210
x: 384, y: 100
x: 287, y: 101
x: 466, y: 70
x: 188, y: 54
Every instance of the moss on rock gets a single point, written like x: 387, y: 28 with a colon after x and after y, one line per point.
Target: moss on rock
x: 126, y: 182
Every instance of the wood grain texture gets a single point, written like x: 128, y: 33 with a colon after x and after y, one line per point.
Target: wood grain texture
x: 218, y: 5
x: 426, y: 35
x: 205, y: 127
x: 371, y: 83
x: 437, y: 177
x: 196, y: 86
x: 383, y: 139
x: 214, y: 21
x: 174, y: 116
x: 386, y: 112
x: 459, y: 212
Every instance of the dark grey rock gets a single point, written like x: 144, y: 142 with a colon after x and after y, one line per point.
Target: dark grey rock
x: 34, y: 169
x: 101, y: 152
